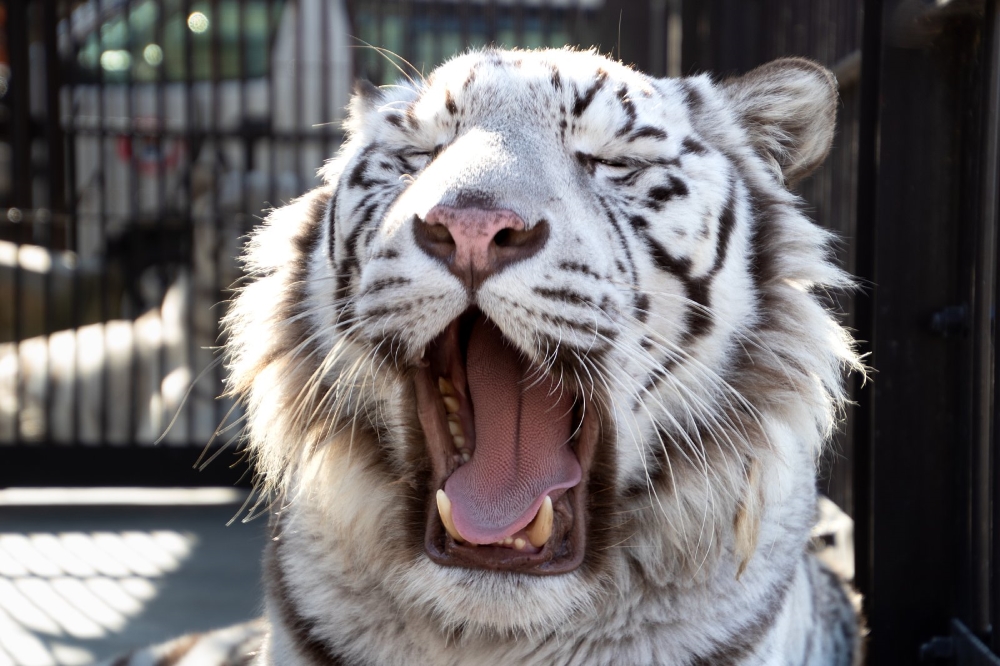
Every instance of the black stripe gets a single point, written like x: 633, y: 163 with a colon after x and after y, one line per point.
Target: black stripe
x: 449, y: 103
x: 648, y: 132
x: 692, y: 97
x: 314, y: 650
x: 331, y: 227
x: 583, y: 101
x: 471, y: 77
x: 680, y: 267
x: 621, y: 235
x: 564, y: 296
x: 385, y: 283
x: 692, y: 145
x: 641, y: 305
x: 661, y: 194
x: 697, y: 290
x: 357, y: 177
x: 579, y: 268
x: 556, y: 79
x: 350, y: 261
x: 628, y: 106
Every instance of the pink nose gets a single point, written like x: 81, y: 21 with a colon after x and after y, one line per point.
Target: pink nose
x: 475, y: 243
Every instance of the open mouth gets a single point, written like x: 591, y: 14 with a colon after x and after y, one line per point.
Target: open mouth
x: 510, y: 449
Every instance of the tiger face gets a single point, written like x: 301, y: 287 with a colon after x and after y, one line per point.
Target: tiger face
x: 547, y: 337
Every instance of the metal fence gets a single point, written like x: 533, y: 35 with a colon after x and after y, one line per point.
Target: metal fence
x: 140, y: 139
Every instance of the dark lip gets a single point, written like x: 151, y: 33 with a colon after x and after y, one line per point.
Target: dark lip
x: 566, y: 550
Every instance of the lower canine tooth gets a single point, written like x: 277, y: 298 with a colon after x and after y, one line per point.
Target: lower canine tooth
x: 444, y: 510
x: 540, y: 528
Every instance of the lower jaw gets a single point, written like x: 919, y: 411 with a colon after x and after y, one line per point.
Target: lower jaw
x: 562, y: 553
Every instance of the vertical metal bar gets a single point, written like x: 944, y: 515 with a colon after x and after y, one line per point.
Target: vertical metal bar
x: 157, y: 360
x: 217, y: 166
x: 545, y: 15
x: 379, y: 41
x: 300, y: 111
x: 197, y: 141
x: 43, y: 221
x: 326, y: 72
x: 102, y: 221
x: 437, y: 30
x: 865, y: 301
x: 133, y: 228
x: 518, y: 18
x: 73, y: 244
x: 463, y: 22
x: 490, y: 21
x: 18, y: 100
x: 990, y: 212
x: 675, y: 38
x: 53, y: 127
x: 272, y: 105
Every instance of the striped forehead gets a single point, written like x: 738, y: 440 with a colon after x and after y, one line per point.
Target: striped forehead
x: 582, y: 87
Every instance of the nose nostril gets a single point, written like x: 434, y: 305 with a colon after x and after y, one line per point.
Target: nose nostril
x: 435, y: 239
x: 438, y: 233
x: 503, y: 238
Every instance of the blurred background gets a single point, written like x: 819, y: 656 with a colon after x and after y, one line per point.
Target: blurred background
x: 141, y: 139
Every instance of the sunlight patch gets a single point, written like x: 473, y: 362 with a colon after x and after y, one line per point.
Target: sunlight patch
x: 59, y: 590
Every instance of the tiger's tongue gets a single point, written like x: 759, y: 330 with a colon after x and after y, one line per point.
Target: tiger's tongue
x: 522, y: 450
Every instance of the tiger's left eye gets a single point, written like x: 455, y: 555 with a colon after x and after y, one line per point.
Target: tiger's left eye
x: 613, y: 163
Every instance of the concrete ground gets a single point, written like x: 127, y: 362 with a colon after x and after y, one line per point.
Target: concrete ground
x: 88, y: 574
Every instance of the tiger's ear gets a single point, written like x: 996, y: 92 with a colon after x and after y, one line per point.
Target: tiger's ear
x: 366, y: 97
x: 789, y: 109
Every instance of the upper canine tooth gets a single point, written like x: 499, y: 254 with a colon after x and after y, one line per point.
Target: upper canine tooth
x: 444, y: 510
x: 451, y: 404
x: 540, y: 528
x: 445, y: 386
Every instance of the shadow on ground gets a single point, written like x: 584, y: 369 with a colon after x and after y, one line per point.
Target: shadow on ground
x: 80, y: 582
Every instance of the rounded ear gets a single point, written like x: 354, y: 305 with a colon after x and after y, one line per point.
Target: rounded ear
x: 789, y: 109
x: 366, y: 97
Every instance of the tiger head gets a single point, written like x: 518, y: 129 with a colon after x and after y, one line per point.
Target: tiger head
x: 550, y: 331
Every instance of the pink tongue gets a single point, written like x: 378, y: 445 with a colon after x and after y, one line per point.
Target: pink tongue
x: 522, y: 452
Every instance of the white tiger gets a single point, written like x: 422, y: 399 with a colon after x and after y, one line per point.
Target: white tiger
x: 542, y: 375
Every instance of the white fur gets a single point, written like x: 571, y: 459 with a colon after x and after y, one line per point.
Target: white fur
x: 724, y: 525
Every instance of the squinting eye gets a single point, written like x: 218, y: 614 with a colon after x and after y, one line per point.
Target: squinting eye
x: 614, y: 164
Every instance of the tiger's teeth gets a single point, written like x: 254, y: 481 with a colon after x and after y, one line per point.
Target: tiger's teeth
x: 444, y: 510
x: 445, y: 386
x: 466, y: 456
x: 459, y: 441
x: 540, y: 528
x: 455, y: 428
x: 519, y: 543
x: 451, y: 404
